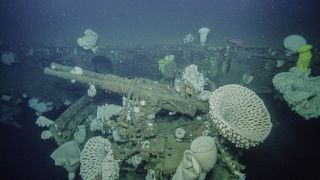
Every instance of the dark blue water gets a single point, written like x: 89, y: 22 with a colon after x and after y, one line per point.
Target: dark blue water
x: 256, y: 22
x: 290, y: 151
x: 24, y: 155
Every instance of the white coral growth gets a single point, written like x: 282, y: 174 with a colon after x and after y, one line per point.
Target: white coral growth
x: 92, y: 91
x: 8, y: 58
x: 46, y: 135
x: 104, y: 113
x: 188, y: 39
x: 196, y: 78
x: 40, y: 106
x: 77, y: 70
x: 44, y: 122
x: 89, y: 40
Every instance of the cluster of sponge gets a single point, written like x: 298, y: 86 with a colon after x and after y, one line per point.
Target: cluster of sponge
x: 196, y: 78
x: 301, y: 91
x: 240, y: 115
x: 97, y: 160
x: 89, y: 40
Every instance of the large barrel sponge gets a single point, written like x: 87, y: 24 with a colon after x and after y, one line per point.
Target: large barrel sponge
x: 97, y: 160
x: 293, y: 42
x: 240, y: 115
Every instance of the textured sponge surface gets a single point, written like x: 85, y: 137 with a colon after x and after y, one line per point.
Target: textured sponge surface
x: 240, y: 115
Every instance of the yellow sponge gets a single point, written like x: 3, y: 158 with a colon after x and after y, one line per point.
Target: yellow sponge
x: 305, y: 56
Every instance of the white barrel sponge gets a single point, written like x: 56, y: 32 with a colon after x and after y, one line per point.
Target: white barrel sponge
x: 203, y: 32
x: 97, y: 160
x: 240, y: 115
x: 205, y: 152
x: 294, y: 42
